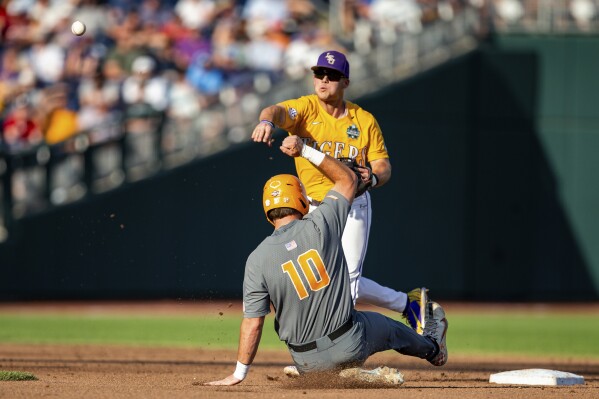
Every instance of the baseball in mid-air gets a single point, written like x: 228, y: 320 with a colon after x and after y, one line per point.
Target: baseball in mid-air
x: 78, y: 28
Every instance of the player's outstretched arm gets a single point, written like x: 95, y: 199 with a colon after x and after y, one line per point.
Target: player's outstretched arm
x: 249, y: 338
x: 344, y: 178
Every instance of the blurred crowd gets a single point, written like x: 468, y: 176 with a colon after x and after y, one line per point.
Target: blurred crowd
x: 174, y: 57
x: 563, y: 15
x: 178, y: 57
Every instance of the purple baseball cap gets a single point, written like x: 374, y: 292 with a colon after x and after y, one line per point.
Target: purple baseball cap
x: 333, y: 60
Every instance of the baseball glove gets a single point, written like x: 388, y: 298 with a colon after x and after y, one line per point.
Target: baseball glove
x: 362, y: 186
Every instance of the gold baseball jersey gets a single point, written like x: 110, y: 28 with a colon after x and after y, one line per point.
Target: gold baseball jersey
x: 356, y: 135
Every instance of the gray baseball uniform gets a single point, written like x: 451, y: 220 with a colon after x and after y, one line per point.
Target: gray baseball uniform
x: 301, y: 269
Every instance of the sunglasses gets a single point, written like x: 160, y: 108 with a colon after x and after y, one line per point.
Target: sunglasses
x: 333, y: 76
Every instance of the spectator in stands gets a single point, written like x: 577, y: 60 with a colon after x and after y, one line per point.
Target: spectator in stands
x: 404, y: 16
x: 228, y: 48
x: 18, y: 29
x: 126, y: 46
x: 264, y: 26
x: 182, y: 98
x: 3, y: 20
x: 97, y: 111
x: 353, y: 11
x: 186, y: 44
x: 19, y: 129
x: 307, y: 43
x: 196, y: 14
x: 10, y: 70
x: 271, y: 13
x: 508, y: 11
x: 264, y: 51
x: 583, y: 12
x: 146, y: 85
x: 95, y: 17
x: 58, y: 121
x: 47, y: 15
x: 206, y: 78
x: 155, y: 13
x: 47, y: 58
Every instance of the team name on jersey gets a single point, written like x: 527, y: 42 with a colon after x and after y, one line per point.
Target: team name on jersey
x: 338, y: 149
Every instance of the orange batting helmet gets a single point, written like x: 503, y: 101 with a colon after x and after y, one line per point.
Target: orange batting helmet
x: 284, y: 191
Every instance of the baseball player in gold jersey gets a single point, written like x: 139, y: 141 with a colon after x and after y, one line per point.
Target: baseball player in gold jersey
x: 339, y: 128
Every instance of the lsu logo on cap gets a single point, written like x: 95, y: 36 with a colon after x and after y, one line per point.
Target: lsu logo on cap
x: 330, y: 58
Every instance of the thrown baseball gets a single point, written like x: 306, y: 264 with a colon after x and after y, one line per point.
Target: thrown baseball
x: 78, y: 28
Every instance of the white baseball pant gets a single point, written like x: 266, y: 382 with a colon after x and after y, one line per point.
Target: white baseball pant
x: 355, y: 243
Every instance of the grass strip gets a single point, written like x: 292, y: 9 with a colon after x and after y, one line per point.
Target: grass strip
x: 560, y: 335
x: 16, y: 376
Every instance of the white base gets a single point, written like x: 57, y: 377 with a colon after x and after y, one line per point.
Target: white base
x: 536, y: 377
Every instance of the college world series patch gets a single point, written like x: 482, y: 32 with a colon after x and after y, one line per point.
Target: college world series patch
x: 353, y: 132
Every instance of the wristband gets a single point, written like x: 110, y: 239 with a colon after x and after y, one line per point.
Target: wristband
x: 313, y: 155
x: 374, y: 180
x: 268, y: 123
x: 241, y: 370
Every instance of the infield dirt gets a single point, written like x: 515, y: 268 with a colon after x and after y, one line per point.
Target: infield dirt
x: 126, y: 372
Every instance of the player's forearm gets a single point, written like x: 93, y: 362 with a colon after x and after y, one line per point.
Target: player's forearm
x: 249, y: 339
x: 382, y: 169
x: 274, y: 114
x: 343, y: 178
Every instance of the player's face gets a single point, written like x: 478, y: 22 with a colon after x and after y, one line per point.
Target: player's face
x: 329, y: 85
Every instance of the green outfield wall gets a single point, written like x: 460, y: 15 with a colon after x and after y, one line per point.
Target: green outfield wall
x: 496, y: 186
x: 494, y: 196
x: 567, y: 129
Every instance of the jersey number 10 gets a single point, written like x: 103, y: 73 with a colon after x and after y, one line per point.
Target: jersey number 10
x: 309, y: 262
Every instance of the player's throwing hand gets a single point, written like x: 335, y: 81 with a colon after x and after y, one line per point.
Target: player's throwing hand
x: 263, y: 132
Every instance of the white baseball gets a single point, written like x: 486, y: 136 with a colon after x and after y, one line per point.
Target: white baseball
x: 78, y: 28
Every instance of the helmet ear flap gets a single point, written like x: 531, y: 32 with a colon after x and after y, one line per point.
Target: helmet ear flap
x: 305, y: 204
x: 284, y: 191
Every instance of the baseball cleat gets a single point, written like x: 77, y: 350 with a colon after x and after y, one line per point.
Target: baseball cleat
x: 436, y: 329
x: 415, y: 309
x: 291, y: 371
x: 384, y: 375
